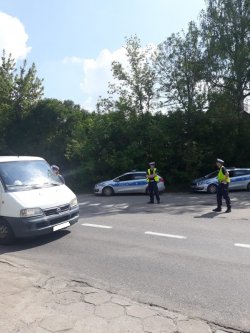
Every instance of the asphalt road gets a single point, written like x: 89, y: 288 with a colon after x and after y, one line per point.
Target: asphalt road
x: 179, y: 254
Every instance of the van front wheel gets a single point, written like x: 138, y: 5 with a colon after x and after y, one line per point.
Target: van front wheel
x: 6, y: 234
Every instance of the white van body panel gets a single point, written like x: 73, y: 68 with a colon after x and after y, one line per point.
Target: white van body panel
x: 44, y: 198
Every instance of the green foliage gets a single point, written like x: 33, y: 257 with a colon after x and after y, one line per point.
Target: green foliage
x: 7, y: 72
x: 180, y: 68
x: 135, y: 83
x: 27, y: 91
x: 225, y: 27
x: 46, y: 130
x: 18, y: 93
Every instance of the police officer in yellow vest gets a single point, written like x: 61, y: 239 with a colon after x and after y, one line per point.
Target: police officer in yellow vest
x: 222, y: 189
x: 153, y: 179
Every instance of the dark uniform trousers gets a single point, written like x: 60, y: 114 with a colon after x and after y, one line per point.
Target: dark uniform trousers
x: 153, y: 190
x: 222, y: 191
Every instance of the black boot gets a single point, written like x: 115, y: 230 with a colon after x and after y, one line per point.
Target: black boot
x: 228, y: 210
x: 218, y: 209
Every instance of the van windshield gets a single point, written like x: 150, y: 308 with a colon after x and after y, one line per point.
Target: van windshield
x: 26, y: 175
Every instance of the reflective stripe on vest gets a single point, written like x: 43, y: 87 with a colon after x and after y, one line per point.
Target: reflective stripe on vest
x: 222, y: 178
x: 156, y: 178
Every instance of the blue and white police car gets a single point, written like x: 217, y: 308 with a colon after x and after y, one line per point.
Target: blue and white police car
x: 130, y: 182
x: 239, y: 180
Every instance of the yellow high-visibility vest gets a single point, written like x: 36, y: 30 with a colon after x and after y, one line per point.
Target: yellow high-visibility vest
x: 222, y: 178
x: 156, y: 177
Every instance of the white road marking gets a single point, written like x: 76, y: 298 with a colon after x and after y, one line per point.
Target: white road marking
x: 242, y: 245
x: 164, y: 235
x: 122, y: 206
x: 119, y: 206
x: 97, y: 226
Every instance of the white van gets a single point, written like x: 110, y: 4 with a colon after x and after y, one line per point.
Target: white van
x: 33, y: 200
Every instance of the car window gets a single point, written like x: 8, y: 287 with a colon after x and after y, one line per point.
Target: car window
x: 241, y: 172
x: 141, y: 175
x: 231, y: 173
x: 125, y: 177
x: 211, y: 175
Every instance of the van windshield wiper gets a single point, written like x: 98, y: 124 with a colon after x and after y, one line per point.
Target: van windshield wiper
x: 44, y: 185
x: 31, y: 186
x: 18, y: 186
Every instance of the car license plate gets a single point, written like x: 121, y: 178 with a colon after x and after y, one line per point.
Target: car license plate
x: 61, y: 226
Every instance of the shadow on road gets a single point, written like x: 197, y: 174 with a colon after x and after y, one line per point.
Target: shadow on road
x: 209, y: 215
x: 28, y: 243
x: 171, y: 203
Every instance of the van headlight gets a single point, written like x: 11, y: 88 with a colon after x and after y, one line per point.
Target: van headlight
x: 28, y: 212
x: 73, y: 203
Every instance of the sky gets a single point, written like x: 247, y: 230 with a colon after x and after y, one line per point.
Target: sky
x: 73, y: 42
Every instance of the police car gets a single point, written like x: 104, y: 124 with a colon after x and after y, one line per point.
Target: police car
x: 130, y: 182
x: 239, y: 180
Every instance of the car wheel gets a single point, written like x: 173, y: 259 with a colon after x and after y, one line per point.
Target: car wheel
x: 6, y: 234
x: 212, y: 189
x: 248, y: 186
x: 107, y: 191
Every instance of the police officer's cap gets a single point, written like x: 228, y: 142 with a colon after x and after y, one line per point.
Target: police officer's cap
x: 151, y: 163
x: 219, y: 161
x: 55, y: 167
